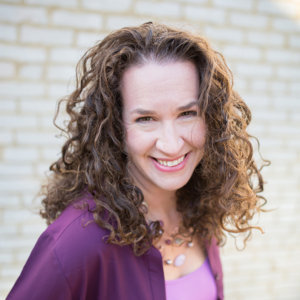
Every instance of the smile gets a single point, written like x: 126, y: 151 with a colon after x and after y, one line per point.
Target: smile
x: 171, y: 163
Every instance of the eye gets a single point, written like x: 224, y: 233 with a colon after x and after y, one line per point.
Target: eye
x: 144, y: 119
x: 189, y: 113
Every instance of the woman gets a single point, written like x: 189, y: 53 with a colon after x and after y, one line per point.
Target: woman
x: 157, y: 166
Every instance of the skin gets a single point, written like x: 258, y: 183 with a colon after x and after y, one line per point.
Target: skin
x: 165, y: 137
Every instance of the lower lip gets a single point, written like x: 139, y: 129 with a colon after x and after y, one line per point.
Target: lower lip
x: 171, y: 169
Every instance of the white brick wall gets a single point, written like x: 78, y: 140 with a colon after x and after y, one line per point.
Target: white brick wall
x: 204, y: 15
x: 22, y: 53
x: 45, y: 36
x: 163, y: 9
x: 40, y: 44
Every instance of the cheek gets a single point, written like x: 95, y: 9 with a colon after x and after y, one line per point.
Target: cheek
x: 137, y: 142
x: 198, y: 134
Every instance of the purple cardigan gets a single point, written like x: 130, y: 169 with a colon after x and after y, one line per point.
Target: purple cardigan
x: 71, y: 261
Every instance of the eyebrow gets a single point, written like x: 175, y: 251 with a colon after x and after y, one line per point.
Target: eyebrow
x: 151, y: 112
x: 187, y: 106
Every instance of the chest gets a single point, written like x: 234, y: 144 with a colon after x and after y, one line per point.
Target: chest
x: 194, y: 258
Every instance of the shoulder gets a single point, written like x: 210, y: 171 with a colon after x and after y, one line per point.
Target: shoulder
x: 75, y: 234
x: 213, y: 254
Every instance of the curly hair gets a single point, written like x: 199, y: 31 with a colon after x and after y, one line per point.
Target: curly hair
x: 223, y: 192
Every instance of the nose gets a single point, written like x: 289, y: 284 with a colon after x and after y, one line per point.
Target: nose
x: 169, y: 140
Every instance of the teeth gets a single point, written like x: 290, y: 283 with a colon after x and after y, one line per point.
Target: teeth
x: 171, y: 163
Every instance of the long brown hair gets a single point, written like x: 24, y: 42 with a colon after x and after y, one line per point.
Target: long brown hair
x: 222, y: 194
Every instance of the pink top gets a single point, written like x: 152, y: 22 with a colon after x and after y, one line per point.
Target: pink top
x: 197, y: 285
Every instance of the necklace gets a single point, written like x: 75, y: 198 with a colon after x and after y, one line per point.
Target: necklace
x: 167, y: 242
x: 173, y: 241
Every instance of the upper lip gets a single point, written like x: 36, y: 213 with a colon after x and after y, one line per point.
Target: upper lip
x: 168, y: 159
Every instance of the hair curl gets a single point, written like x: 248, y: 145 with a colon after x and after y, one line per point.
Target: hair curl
x: 222, y: 194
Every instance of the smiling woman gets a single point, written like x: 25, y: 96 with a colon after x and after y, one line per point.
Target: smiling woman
x: 164, y: 143
x: 157, y: 167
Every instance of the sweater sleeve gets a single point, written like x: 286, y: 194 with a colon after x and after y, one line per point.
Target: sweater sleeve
x: 42, y: 276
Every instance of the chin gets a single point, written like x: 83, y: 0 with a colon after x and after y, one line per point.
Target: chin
x: 172, y: 186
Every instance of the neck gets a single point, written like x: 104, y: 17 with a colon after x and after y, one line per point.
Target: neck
x: 162, y: 206
x: 161, y: 203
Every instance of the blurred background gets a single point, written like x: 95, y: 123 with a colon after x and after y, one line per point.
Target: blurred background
x: 40, y: 44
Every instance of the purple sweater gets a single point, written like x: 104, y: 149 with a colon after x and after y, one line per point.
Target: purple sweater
x: 71, y: 261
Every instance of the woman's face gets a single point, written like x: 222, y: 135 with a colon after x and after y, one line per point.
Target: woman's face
x: 165, y: 133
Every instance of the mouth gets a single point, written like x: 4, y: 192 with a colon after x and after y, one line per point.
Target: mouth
x: 171, y: 163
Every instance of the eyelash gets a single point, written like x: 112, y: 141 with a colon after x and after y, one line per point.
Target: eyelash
x: 189, y: 113
x: 184, y: 114
x: 144, y: 119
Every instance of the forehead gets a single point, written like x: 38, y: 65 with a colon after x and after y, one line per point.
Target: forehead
x: 152, y: 84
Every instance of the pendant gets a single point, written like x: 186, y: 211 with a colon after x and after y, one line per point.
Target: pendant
x: 179, y: 260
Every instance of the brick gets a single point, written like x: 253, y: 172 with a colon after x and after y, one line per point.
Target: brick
x: 235, y: 4
x: 8, y: 33
x: 7, y: 69
x: 51, y: 154
x: 294, y: 88
x: 242, y: 52
x: 56, y: 3
x: 295, y: 117
x: 77, y: 20
x: 6, y: 258
x: 224, y: 34
x: 117, y: 22
x: 87, y: 39
x: 194, y: 1
x: 6, y: 137
x: 17, y: 186
x: 33, y: 229
x: 294, y: 41
x: 240, y: 84
x: 13, y: 271
x: 15, y: 170
x: 285, y: 25
x: 12, y: 1
x: 270, y: 116
x: 282, y: 130
x: 265, y: 39
x: 66, y: 55
x: 23, y: 54
x: 107, y: 5
x: 36, y: 138
x: 9, y: 201
x: 46, y: 36
x: 259, y: 85
x: 255, y: 70
x: 17, y: 88
x: 61, y: 73
x: 15, y: 121
x: 23, y: 14
x: 165, y: 9
x: 14, y: 241
x: 288, y: 72
x: 40, y: 106
x: 283, y: 56
x: 248, y: 20
x: 20, y: 154
x: 46, y: 122
x: 43, y: 168
x: 279, y: 8
x: 278, y: 86
x: 203, y: 14
x: 31, y: 72
x: 280, y: 104
x: 57, y: 90
x: 7, y: 105
x: 260, y: 101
